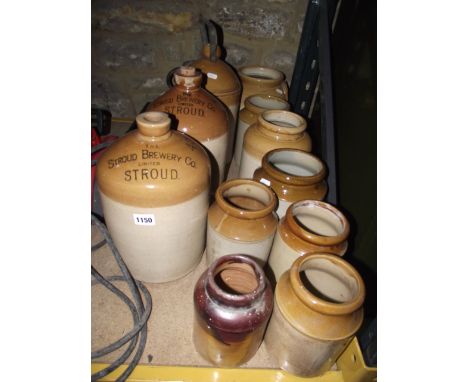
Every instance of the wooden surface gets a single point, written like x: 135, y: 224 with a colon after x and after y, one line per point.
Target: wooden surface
x: 170, y: 324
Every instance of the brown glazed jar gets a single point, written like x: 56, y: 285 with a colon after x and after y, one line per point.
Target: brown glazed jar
x: 241, y: 220
x: 293, y: 175
x: 254, y: 106
x: 309, y: 226
x: 274, y: 129
x: 262, y: 80
x: 199, y: 114
x: 233, y: 301
x: 154, y: 184
x: 317, y: 310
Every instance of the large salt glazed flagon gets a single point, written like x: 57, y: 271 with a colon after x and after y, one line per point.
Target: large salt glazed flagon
x: 154, y: 184
x: 233, y: 301
x: 317, y: 310
x: 199, y: 114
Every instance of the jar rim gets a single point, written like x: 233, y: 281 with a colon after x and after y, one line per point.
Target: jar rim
x: 305, y: 233
x: 297, y: 122
x: 242, y: 212
x: 319, y: 304
x: 251, y: 103
x: 288, y: 177
x: 224, y: 296
x: 270, y: 76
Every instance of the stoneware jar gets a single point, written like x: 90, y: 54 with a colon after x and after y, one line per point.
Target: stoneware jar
x: 199, y: 114
x: 317, y: 310
x: 233, y: 301
x: 241, y: 220
x: 222, y: 80
x: 294, y: 175
x: 274, y: 129
x: 153, y: 184
x: 262, y: 80
x: 309, y: 226
x: 253, y: 107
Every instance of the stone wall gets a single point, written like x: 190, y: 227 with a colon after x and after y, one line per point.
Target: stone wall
x: 135, y: 44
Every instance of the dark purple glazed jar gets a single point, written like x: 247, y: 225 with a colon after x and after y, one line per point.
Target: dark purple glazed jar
x: 233, y: 301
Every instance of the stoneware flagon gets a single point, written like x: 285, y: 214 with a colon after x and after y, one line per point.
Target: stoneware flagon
x: 274, y: 129
x: 262, y: 80
x: 222, y: 81
x: 294, y: 175
x: 241, y: 220
x: 233, y: 301
x: 317, y: 310
x: 199, y: 114
x: 154, y: 186
x: 308, y: 226
x: 253, y: 107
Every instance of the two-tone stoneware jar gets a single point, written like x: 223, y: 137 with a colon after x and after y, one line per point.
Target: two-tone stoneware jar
x: 241, y: 220
x: 198, y: 114
x: 317, y: 310
x: 274, y: 129
x: 233, y: 301
x: 222, y: 80
x: 262, y: 80
x: 253, y: 107
x: 154, y: 186
x: 309, y: 226
x: 294, y: 175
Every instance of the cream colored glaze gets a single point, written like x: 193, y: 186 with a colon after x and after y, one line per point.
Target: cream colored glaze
x: 165, y: 251
x: 281, y: 256
x: 248, y: 165
x: 218, y: 148
x: 283, y: 206
x: 319, y: 221
x: 297, y: 353
x: 242, y: 127
x: 218, y: 245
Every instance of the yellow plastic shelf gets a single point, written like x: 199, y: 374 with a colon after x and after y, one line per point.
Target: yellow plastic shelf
x: 351, y: 369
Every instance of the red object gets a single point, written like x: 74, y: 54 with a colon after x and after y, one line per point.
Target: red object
x: 96, y: 140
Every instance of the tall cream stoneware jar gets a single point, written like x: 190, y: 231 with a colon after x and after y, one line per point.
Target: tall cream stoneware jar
x: 309, y: 226
x: 317, y: 310
x: 199, y: 114
x: 274, y: 129
x: 294, y: 175
x: 253, y: 107
x: 154, y: 186
x: 241, y: 221
x: 262, y: 80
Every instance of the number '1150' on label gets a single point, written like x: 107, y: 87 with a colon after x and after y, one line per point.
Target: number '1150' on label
x: 143, y: 219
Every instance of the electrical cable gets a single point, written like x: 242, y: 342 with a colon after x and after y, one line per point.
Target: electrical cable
x: 140, y: 312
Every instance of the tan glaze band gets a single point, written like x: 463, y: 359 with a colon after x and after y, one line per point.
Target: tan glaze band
x: 306, y: 234
x: 258, y: 103
x: 282, y: 122
x: 254, y: 213
x: 316, y: 303
x: 259, y: 75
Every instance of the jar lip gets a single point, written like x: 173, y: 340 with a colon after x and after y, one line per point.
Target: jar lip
x: 318, y: 304
x: 251, y: 103
x: 270, y: 76
x: 299, y: 125
x: 306, y: 234
x: 231, y: 298
x: 281, y: 175
x: 241, y: 212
